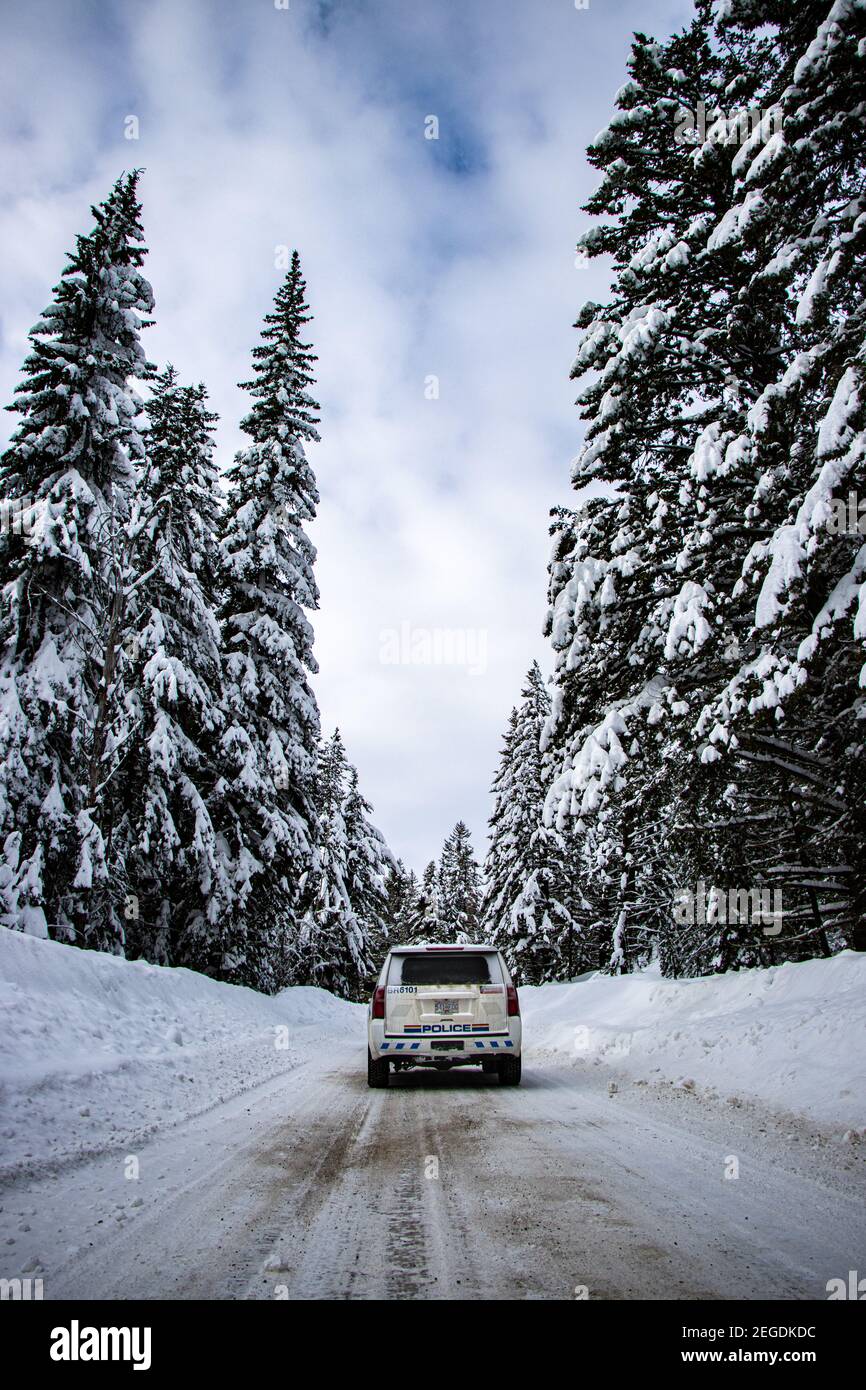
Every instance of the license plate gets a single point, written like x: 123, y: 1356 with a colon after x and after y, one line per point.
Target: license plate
x: 446, y: 1006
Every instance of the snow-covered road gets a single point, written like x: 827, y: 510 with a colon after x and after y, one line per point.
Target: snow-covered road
x: 446, y: 1186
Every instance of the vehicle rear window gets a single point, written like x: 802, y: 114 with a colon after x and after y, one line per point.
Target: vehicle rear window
x: 443, y: 968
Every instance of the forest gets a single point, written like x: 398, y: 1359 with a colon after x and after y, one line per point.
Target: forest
x: 688, y: 785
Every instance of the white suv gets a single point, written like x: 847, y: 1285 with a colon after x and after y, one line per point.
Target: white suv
x: 444, y: 1006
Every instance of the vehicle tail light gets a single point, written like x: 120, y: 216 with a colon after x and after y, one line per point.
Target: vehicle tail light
x: 513, y: 1002
x: 379, y: 1002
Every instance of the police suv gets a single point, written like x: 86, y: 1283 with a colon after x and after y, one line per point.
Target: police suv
x: 444, y: 1006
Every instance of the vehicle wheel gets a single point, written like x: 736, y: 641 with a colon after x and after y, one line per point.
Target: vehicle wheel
x: 488, y: 1065
x: 377, y: 1070
x: 509, y: 1070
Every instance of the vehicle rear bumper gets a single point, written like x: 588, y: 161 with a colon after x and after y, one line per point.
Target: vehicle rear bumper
x: 472, y: 1046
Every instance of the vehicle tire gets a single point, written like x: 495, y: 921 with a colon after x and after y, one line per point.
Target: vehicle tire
x: 509, y: 1069
x: 377, y: 1070
x: 488, y: 1065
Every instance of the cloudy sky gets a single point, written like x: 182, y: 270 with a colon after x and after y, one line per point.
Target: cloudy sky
x: 441, y: 274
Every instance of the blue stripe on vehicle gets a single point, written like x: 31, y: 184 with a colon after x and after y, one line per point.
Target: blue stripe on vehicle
x: 414, y: 1046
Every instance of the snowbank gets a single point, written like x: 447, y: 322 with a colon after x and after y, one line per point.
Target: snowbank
x: 96, y: 1051
x: 793, y: 1036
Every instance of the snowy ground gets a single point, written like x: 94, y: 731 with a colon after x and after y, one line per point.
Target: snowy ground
x: 793, y: 1037
x: 100, y: 1052
x: 265, y: 1170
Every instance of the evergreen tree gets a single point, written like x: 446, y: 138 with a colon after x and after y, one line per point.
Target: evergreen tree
x: 174, y: 865
x: 789, y: 717
x: 429, y: 925
x: 404, y: 911
x: 264, y: 800
x: 459, y: 889
x: 343, y: 935
x: 527, y: 908
x: 701, y: 403
x: 332, y: 953
x: 68, y: 477
x: 368, y: 860
x: 412, y: 918
x: 641, y: 588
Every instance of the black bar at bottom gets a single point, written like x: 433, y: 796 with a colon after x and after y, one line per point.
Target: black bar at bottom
x: 70, y: 1339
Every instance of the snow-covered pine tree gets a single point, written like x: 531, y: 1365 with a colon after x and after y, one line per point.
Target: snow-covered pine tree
x: 644, y: 604
x: 770, y: 816
x: 264, y: 800
x: 368, y: 860
x: 458, y: 888
x: 413, y: 917
x: 586, y: 641
x: 332, y: 950
x: 343, y: 934
x: 175, y: 872
x: 67, y: 481
x: 528, y: 901
x: 708, y: 608
x: 429, y: 924
x: 404, y: 911
x: 791, y: 715
x: 501, y: 852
